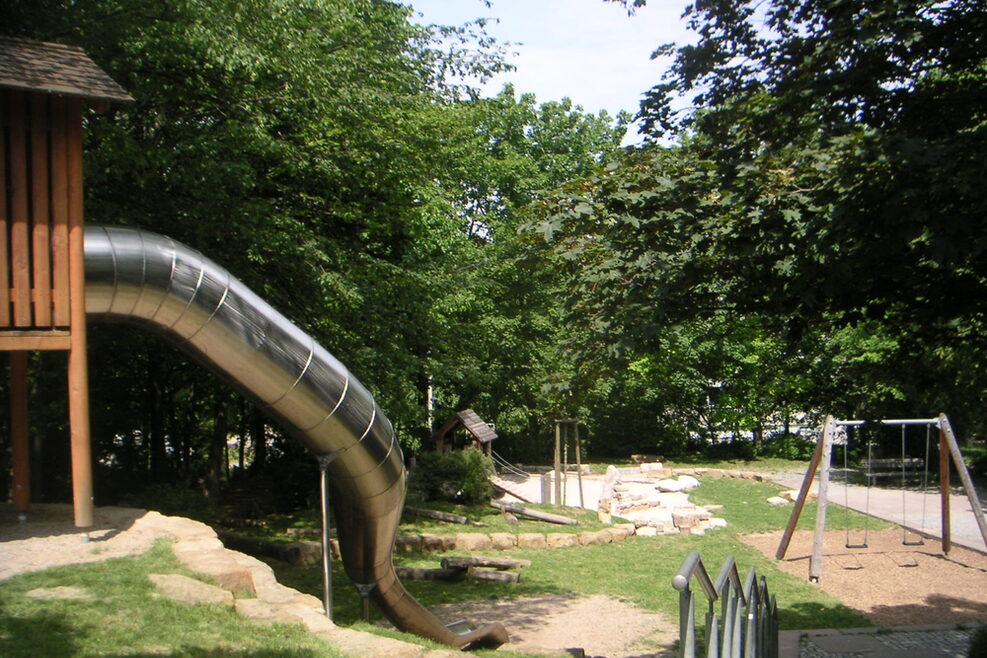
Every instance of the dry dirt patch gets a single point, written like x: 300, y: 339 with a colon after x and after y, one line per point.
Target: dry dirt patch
x: 550, y: 624
x: 891, y: 584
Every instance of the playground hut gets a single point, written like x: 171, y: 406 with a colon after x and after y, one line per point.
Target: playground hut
x: 478, y: 433
x: 44, y: 88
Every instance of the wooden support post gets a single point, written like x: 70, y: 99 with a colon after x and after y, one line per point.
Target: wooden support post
x: 82, y: 472
x: 793, y: 520
x: 579, y: 470
x: 815, y: 562
x: 557, y: 467
x: 971, y: 491
x: 19, y: 442
x: 944, y: 487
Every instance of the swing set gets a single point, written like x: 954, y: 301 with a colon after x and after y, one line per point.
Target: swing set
x: 876, y: 468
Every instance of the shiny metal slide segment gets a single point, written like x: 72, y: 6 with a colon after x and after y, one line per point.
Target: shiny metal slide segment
x: 144, y: 278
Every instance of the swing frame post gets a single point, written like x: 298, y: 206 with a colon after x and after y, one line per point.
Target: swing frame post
x: 944, y: 487
x: 971, y: 492
x: 815, y: 562
x: 810, y: 474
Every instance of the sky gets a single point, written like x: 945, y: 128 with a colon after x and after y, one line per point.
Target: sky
x: 588, y: 50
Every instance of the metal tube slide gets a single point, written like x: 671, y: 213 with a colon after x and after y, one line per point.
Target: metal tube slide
x: 148, y: 279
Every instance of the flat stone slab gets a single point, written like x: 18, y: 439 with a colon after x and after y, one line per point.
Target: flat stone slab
x: 189, y: 590
x: 63, y: 592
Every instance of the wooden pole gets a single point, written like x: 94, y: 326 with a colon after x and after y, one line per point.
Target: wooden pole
x: 944, y: 487
x: 19, y: 444
x: 971, y: 491
x: 558, y: 467
x: 815, y: 562
x: 793, y: 520
x: 579, y: 470
x: 78, y: 376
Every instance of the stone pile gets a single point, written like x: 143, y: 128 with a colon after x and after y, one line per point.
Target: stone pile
x: 657, y: 503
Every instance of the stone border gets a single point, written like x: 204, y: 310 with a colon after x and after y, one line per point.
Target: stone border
x: 197, y: 547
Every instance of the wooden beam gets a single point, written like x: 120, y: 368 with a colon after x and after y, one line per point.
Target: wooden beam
x: 20, y: 263
x: 59, y: 214
x: 19, y: 441
x: 793, y: 520
x: 944, y: 488
x: 557, y: 467
x: 82, y: 472
x: 11, y: 341
x: 815, y: 562
x: 4, y: 220
x: 971, y: 491
x: 533, y: 514
x: 40, y: 230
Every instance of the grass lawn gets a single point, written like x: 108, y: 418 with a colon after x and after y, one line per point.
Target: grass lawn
x: 638, y: 570
x: 127, y: 617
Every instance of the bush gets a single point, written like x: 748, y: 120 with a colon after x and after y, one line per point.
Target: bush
x: 978, y: 646
x: 463, y: 476
x: 788, y: 446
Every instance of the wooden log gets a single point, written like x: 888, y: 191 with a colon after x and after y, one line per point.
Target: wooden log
x: 494, y: 576
x: 448, y: 517
x: 495, y: 562
x: 410, y: 573
x: 507, y: 490
x: 533, y: 514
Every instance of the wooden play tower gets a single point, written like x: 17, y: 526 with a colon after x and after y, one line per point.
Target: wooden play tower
x: 44, y: 89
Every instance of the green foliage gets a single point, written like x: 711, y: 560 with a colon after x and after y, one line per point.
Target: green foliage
x: 978, y: 645
x: 461, y: 475
x: 819, y: 203
x: 335, y: 157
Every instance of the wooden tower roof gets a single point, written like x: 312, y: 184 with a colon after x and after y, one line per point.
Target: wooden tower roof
x: 475, y: 425
x: 55, y: 68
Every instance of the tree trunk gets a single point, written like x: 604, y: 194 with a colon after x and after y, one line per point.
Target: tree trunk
x: 217, y: 445
x: 258, y: 435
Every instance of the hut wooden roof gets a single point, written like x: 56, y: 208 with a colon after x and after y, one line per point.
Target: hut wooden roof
x: 473, y: 424
x: 55, y: 68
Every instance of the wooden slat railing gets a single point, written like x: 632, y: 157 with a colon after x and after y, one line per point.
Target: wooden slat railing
x: 36, y: 171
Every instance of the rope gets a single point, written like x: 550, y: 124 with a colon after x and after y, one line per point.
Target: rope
x: 506, y: 465
x: 904, y: 513
x: 846, y: 494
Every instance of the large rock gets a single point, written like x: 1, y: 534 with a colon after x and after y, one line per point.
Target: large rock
x: 531, y: 540
x: 561, y: 540
x: 473, y: 541
x: 777, y: 500
x: 688, y: 482
x: 669, y: 485
x: 503, y: 541
x: 438, y: 543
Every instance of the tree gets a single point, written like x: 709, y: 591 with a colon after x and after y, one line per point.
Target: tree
x: 824, y: 184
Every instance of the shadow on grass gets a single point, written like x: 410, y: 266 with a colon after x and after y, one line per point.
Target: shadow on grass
x: 805, y: 615
x: 46, y: 634
x: 347, y: 606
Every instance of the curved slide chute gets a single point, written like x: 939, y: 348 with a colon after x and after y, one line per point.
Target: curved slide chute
x: 144, y: 278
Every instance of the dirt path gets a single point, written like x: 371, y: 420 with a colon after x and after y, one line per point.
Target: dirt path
x: 550, y: 624
x: 891, y: 584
